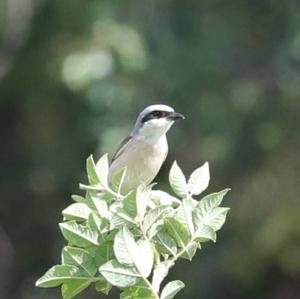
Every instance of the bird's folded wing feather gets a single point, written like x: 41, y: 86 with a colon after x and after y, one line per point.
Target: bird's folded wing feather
x: 121, y: 148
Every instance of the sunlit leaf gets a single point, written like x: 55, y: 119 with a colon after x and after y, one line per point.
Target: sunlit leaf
x: 171, y: 289
x: 80, y: 258
x: 160, y: 272
x: 199, y: 180
x: 118, y: 180
x: 166, y: 243
x: 142, y: 198
x: 58, y: 274
x: 177, y: 181
x: 118, y: 274
x: 102, y: 167
x: 78, y: 234
x: 77, y: 211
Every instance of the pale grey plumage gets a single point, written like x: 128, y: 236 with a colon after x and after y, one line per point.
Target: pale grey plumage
x: 145, y: 149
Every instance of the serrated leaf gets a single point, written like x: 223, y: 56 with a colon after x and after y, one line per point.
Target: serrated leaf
x: 58, y: 274
x: 205, y: 233
x: 212, y: 200
x: 178, y: 181
x: 118, y: 180
x: 166, y: 243
x: 153, y: 216
x: 78, y: 234
x: 190, y: 250
x: 102, y: 168
x: 171, y: 289
x: 215, y: 218
x: 160, y: 272
x: 118, y: 274
x: 142, y: 199
x: 208, y: 212
x: 77, y: 211
x: 199, y: 180
x: 72, y: 288
x: 80, y: 258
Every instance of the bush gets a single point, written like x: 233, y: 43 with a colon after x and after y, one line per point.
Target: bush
x: 131, y: 241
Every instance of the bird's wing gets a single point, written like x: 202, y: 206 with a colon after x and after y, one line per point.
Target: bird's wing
x: 121, y: 148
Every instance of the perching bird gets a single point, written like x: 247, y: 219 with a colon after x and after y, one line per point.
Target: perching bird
x: 145, y: 149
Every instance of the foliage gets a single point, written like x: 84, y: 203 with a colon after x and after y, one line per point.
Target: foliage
x: 131, y: 241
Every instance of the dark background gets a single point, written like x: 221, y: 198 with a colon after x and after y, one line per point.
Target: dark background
x: 75, y: 74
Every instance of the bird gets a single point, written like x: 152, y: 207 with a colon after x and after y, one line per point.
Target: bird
x: 145, y: 149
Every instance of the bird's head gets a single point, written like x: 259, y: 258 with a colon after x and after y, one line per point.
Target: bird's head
x: 154, y: 121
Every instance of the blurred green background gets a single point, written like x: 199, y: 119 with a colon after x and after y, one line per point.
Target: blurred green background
x: 75, y: 74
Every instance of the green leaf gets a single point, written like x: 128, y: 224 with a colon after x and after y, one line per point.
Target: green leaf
x: 101, y: 206
x: 205, y: 233
x: 215, y: 218
x: 125, y: 247
x: 80, y: 258
x: 160, y: 272
x: 77, y: 211
x: 208, y: 212
x: 97, y: 187
x: 211, y: 201
x: 190, y: 250
x: 120, y: 218
x: 79, y: 234
x: 78, y: 198
x: 163, y: 198
x: 178, y: 231
x: 118, y: 180
x: 103, y: 286
x: 142, y: 199
x: 166, y: 243
x: 184, y: 214
x: 91, y: 171
x: 199, y: 180
x: 177, y: 181
x: 103, y: 253
x: 129, y: 203
x: 118, y: 274
x: 144, y: 257
x: 171, y: 289
x: 102, y: 168
x: 58, y: 274
x: 138, y: 291
x: 129, y: 253
x: 72, y: 288
x: 153, y: 216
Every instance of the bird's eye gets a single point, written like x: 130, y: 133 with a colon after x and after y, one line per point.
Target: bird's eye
x: 157, y: 114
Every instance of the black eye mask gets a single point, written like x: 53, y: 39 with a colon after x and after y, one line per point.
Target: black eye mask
x: 155, y: 115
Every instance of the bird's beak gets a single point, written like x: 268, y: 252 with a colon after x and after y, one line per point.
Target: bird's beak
x: 175, y: 116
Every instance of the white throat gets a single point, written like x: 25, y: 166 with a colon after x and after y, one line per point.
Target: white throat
x: 152, y: 131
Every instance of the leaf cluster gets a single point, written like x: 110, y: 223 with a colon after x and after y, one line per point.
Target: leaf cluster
x: 131, y: 241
